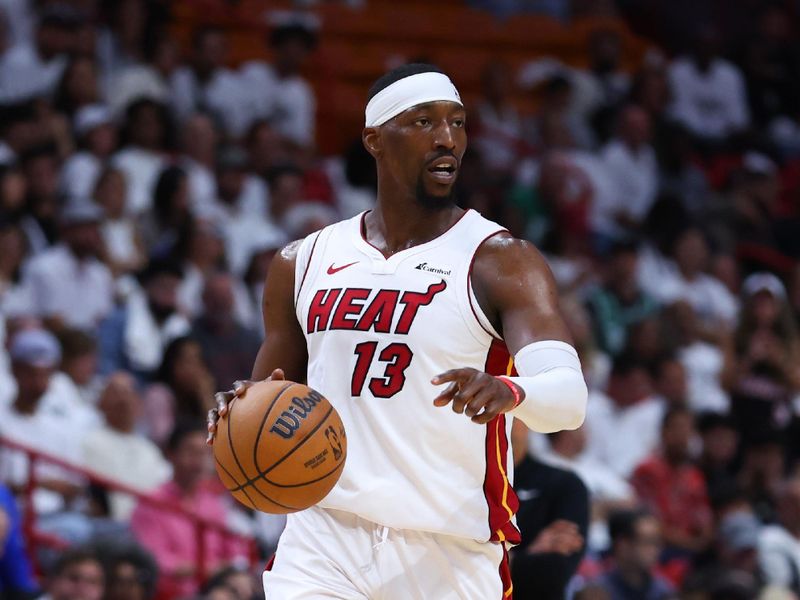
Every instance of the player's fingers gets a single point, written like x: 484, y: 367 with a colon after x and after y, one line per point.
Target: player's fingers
x: 277, y: 375
x: 478, y: 401
x: 213, y: 417
x: 240, y: 387
x: 222, y: 399
x: 490, y: 411
x: 460, y: 375
x: 446, y: 396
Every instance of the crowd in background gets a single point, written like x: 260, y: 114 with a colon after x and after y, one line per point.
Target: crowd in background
x: 145, y: 187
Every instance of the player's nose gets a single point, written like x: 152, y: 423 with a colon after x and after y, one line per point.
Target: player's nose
x: 443, y: 136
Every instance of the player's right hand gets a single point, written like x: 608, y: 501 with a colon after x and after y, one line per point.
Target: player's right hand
x: 223, y: 399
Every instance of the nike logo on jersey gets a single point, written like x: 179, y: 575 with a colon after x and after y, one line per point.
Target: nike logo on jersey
x: 332, y: 269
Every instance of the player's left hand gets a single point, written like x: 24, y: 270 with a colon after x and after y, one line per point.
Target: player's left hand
x: 474, y: 393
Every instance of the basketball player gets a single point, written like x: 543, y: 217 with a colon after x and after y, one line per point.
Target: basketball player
x: 377, y: 312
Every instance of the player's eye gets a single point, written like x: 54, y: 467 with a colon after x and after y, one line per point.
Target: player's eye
x: 458, y: 123
x: 423, y: 121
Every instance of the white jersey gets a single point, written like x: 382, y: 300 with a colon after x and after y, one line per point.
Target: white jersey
x: 378, y: 330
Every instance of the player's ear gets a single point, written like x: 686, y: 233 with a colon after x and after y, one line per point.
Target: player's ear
x: 371, y: 136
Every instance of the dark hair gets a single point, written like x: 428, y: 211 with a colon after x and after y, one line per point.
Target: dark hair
x: 63, y: 102
x: 43, y: 150
x: 708, y: 420
x: 171, y: 354
x: 284, y: 33
x: 278, y: 171
x: 622, y: 523
x: 626, y: 363
x: 672, y: 413
x: 115, y: 554
x: 169, y: 180
x: 159, y: 266
x: 74, y: 556
x: 184, y: 427
x: 132, y: 111
x: 399, y: 73
x: 75, y: 343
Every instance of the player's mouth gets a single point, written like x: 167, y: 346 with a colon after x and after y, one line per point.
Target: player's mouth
x: 444, y: 169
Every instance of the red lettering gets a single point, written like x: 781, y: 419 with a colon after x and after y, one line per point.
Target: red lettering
x: 379, y: 313
x: 412, y: 301
x: 320, y: 310
x: 352, y: 303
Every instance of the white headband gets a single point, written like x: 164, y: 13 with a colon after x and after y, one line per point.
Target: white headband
x: 407, y: 92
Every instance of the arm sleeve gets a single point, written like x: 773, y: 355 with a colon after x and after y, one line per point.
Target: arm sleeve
x: 545, y: 576
x: 555, y: 391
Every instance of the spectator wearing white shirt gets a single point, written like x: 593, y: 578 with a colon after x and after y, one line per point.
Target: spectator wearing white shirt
x: 146, y: 135
x: 779, y: 544
x: 208, y: 86
x: 623, y: 425
x: 69, y: 285
x: 30, y: 70
x: 709, y: 95
x: 116, y: 451
x: 631, y: 163
x: 683, y: 277
x: 125, y: 252
x: 199, y: 141
x: 279, y: 92
x: 97, y: 138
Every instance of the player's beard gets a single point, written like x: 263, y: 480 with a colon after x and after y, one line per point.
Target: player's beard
x: 430, y: 201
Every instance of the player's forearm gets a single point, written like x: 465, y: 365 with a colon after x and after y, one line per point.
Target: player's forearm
x: 555, y: 391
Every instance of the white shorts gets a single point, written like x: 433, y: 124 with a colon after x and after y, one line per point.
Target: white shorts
x: 327, y: 554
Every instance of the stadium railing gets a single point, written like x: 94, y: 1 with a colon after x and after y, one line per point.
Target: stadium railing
x: 36, y: 539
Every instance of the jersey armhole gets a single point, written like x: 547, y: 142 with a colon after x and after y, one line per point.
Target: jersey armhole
x: 474, y: 305
x: 303, y: 265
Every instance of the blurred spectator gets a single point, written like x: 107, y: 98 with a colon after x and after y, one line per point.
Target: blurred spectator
x: 206, y: 85
x: 116, y: 451
x: 14, y: 296
x: 183, y: 387
x: 779, y: 544
x: 146, y: 139
x: 122, y: 237
x: 720, y: 447
x: 498, y: 133
x: 199, y: 141
x: 169, y: 535
x: 673, y: 488
x: 239, y: 582
x: 620, y: 302
x: 622, y: 426
x: 79, y: 360
x: 78, y: 87
x: 229, y: 348
x: 163, y: 228
x: 636, y: 545
x: 596, y: 364
x: 763, y: 469
x: 131, y: 573
x: 122, y: 43
x: 35, y: 355
x: 709, y: 95
x: 76, y: 575
x: 631, y: 162
x: 97, y: 139
x: 553, y: 518
x: 279, y: 92
x: 16, y: 573
x: 285, y: 191
x: 669, y: 378
x: 34, y: 67
x: 69, y: 285
x: 40, y: 166
x: 683, y: 276
x: 265, y: 247
x: 135, y: 334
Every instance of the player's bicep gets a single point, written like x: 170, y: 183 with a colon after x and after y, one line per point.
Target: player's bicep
x: 284, y: 345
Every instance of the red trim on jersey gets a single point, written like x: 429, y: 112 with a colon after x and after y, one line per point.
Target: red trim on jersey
x: 308, y: 264
x: 505, y: 576
x: 500, y: 496
x: 271, y: 562
x: 469, y: 286
x: 362, y: 229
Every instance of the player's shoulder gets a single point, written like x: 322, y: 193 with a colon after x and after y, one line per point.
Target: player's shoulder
x: 503, y: 251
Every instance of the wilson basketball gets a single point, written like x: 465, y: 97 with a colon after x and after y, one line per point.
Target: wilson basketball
x: 281, y: 447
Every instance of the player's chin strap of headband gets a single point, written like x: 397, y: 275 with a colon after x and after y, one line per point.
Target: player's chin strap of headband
x: 407, y: 92
x: 555, y: 391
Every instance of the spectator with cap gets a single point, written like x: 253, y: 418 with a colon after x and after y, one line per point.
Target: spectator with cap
x: 135, y: 334
x: 69, y: 285
x: 674, y: 489
x: 278, y: 91
x: 97, y: 139
x: 779, y: 543
x: 636, y: 543
x: 33, y: 69
x: 35, y: 355
x: 117, y: 451
x: 207, y: 85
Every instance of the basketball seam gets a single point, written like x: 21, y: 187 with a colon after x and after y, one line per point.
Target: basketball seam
x: 261, y: 428
x: 229, y: 474
x: 293, y: 485
x: 242, y: 489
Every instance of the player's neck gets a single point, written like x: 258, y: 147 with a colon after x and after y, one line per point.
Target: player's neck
x: 392, y: 228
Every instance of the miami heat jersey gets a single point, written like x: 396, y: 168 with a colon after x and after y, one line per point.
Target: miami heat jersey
x: 378, y: 329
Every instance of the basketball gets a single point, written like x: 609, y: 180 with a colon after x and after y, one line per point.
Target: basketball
x: 281, y: 447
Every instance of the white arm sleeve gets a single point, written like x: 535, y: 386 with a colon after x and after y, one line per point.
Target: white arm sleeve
x: 555, y: 391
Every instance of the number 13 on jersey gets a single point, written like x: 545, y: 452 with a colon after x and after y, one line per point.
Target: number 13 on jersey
x: 397, y: 356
